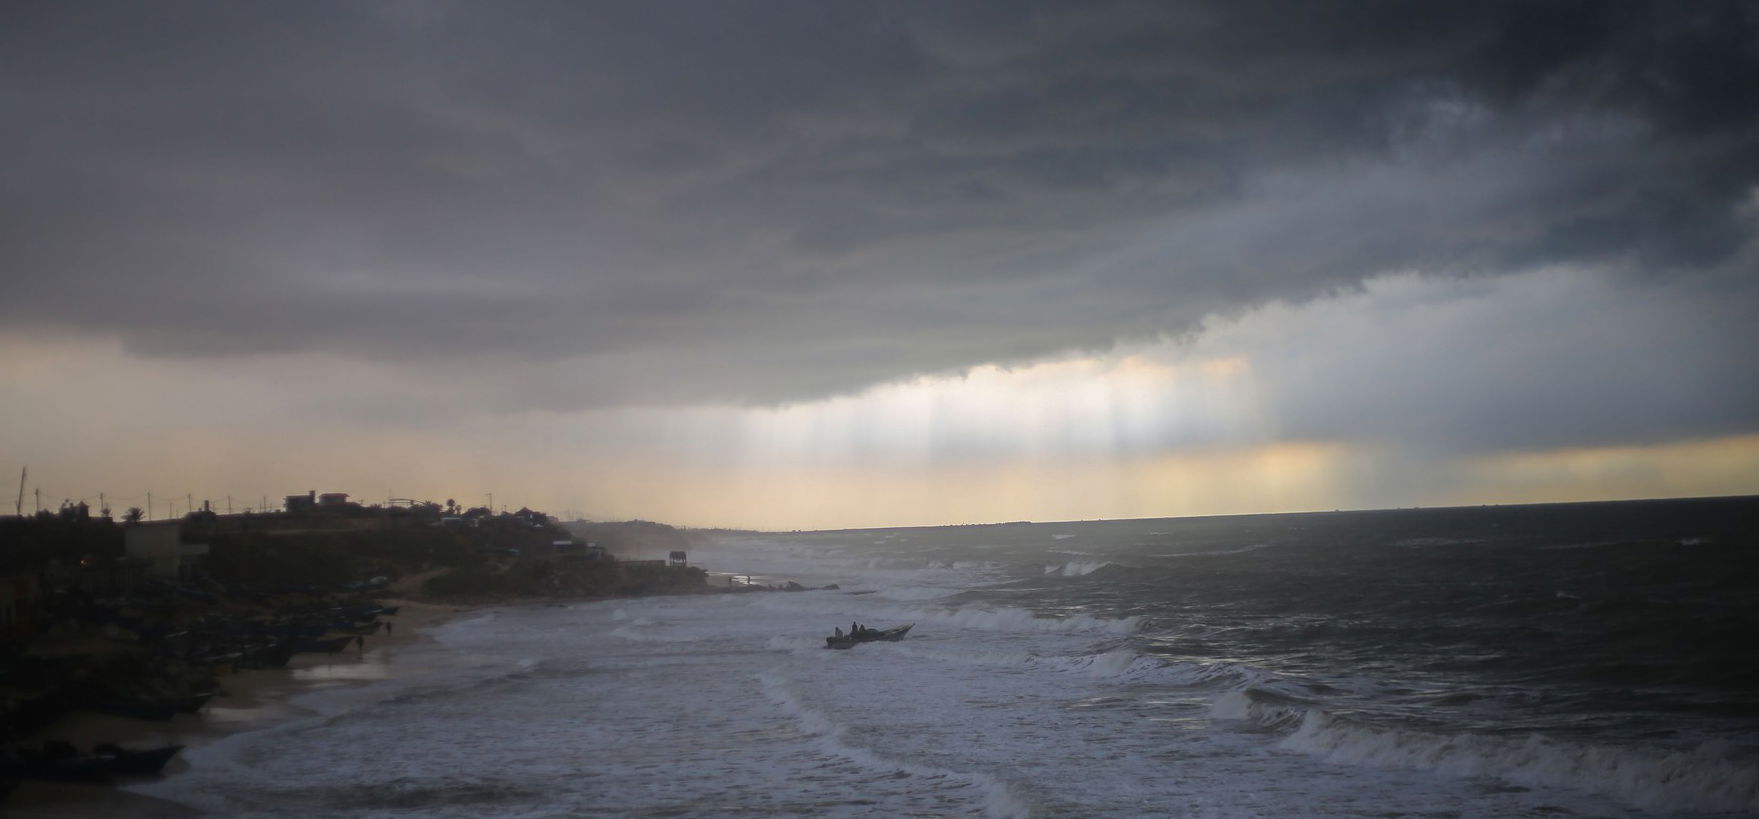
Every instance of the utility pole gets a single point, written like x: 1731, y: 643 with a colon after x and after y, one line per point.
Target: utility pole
x: 38, y: 491
x: 228, y: 504
x: 189, y: 505
x: 491, y: 503
x: 18, y: 508
x: 103, y: 505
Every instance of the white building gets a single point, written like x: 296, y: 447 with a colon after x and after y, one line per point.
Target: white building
x: 161, y: 544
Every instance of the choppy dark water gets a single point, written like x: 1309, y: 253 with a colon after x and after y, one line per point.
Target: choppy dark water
x: 1583, y: 660
x: 1633, y: 620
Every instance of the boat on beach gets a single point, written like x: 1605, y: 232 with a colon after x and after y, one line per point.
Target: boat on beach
x: 61, y: 762
x: 890, y: 635
x: 324, y: 646
x: 126, y: 762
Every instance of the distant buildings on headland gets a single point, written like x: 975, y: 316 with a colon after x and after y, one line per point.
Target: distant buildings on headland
x: 73, y: 554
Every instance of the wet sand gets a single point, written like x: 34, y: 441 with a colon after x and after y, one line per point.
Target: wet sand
x: 250, y: 700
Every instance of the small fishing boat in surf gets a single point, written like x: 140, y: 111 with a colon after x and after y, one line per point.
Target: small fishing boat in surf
x: 867, y: 635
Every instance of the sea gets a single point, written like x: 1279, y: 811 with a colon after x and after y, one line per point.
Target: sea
x: 1580, y: 660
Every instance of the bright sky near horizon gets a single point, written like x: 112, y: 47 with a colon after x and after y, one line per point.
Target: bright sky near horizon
x: 805, y: 265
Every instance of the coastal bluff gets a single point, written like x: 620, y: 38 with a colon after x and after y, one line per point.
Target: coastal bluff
x: 144, y: 619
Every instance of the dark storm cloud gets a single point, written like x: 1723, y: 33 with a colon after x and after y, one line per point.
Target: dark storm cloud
x: 773, y: 201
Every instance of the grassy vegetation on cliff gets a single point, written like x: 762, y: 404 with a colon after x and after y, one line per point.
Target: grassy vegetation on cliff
x: 337, y: 558
x: 565, y: 578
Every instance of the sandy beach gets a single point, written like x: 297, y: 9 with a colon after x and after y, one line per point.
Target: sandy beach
x: 249, y: 700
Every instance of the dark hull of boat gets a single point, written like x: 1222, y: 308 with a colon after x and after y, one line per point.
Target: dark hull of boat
x: 108, y: 761
x: 147, y: 711
x: 890, y: 635
x: 139, y: 763
x: 329, y: 646
x: 82, y: 769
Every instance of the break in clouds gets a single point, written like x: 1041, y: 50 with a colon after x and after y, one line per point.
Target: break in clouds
x: 599, y: 205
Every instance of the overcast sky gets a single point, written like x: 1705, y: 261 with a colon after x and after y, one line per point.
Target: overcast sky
x: 869, y: 263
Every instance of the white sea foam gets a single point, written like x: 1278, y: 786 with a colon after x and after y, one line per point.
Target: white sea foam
x: 1702, y: 779
x: 1076, y: 568
x: 1115, y: 663
x: 1022, y: 620
x: 905, y: 593
x: 966, y: 565
x: 1236, y: 551
x: 875, y: 610
x: 1120, y: 665
x: 993, y: 658
x: 1255, y: 706
x: 999, y: 802
x: 795, y: 642
x: 654, y: 635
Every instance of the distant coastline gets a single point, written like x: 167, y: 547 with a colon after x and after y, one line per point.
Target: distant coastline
x: 159, y: 633
x: 1296, y: 513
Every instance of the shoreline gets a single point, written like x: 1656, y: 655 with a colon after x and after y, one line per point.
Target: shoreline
x: 250, y: 700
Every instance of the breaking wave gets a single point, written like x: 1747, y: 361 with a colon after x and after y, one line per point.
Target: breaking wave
x: 1702, y: 778
x: 1076, y: 568
x: 1698, y: 779
x: 650, y: 634
x: 795, y: 642
x: 1013, y: 619
x: 1127, y: 666
x: 1238, y: 551
x: 1121, y: 665
x: 998, y: 799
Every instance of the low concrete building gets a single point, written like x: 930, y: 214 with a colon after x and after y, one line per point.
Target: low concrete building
x: 161, y: 545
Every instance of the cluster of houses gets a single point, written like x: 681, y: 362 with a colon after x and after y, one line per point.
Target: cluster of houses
x: 151, y: 551
x: 160, y: 551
